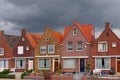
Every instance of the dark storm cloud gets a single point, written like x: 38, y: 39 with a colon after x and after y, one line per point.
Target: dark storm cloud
x: 34, y: 15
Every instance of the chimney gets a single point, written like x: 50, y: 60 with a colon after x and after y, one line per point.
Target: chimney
x: 23, y: 32
x: 47, y: 28
x: 75, y: 21
x: 107, y: 25
x: 1, y: 34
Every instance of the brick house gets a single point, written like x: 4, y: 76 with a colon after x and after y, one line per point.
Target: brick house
x: 47, y: 55
x: 105, y: 52
x: 75, y: 47
x: 24, y: 51
x: 6, y: 61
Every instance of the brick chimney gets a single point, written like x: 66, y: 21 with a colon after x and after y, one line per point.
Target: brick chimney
x: 23, y: 32
x: 107, y: 24
x: 1, y: 34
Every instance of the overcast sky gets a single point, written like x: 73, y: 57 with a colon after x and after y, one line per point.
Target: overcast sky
x: 34, y: 15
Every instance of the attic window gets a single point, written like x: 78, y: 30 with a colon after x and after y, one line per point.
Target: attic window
x: 114, y: 44
x: 47, y: 39
x: 74, y: 31
x: 27, y: 47
x: 23, y: 39
x: 107, y: 34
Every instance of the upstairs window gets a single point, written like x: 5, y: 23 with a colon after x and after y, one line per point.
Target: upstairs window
x: 79, y: 46
x: 114, y: 44
x: 20, y: 49
x: 70, y: 46
x: 1, y: 51
x: 74, y: 31
x: 51, y: 48
x: 102, y: 47
x: 27, y: 48
x: 43, y: 49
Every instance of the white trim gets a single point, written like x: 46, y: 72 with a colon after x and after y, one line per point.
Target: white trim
x: 107, y: 56
x: 49, y: 56
x: 53, y: 64
x: 75, y: 57
x: 21, y: 57
x: 5, y: 58
x: 53, y: 49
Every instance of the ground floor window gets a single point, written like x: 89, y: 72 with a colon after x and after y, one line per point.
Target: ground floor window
x: 102, y: 63
x: 21, y: 64
x: 4, y: 64
x: 44, y: 63
x: 69, y: 63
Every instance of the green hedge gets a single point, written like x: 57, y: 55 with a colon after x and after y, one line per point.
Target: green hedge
x: 26, y: 73
x: 6, y: 71
x: 10, y: 76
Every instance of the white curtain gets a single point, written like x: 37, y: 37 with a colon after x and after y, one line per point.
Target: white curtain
x: 69, y: 63
x: 107, y: 63
x: 98, y: 63
x: 41, y: 63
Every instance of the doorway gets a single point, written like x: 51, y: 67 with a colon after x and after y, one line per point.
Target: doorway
x: 82, y: 65
x: 30, y: 64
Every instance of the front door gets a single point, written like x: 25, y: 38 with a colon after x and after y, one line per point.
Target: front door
x: 82, y: 65
x: 118, y: 66
x: 30, y: 64
x: 56, y: 65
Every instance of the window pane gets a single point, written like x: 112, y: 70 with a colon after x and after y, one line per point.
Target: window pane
x: 44, y: 63
x: 43, y: 49
x: 69, y: 63
x: 20, y: 49
x: 79, y: 45
x: 41, y: 63
x: 1, y: 51
x: 70, y: 47
x: 20, y: 64
x: 51, y: 48
x: 98, y: 63
x: 102, y: 46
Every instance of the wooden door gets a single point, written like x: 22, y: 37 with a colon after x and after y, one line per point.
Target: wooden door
x: 118, y: 66
x: 56, y: 65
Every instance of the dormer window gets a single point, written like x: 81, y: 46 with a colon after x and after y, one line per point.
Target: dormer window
x: 47, y: 39
x: 23, y: 38
x: 114, y: 44
x: 1, y: 51
x: 74, y: 31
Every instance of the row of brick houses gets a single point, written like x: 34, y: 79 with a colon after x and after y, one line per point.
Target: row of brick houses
x: 52, y: 50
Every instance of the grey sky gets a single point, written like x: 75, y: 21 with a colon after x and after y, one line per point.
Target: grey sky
x: 34, y: 15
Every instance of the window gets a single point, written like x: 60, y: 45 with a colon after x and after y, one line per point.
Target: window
x: 102, y: 63
x: 69, y: 63
x: 102, y: 47
x: 4, y: 64
x: 79, y: 45
x: 70, y: 46
x: 27, y: 47
x: 114, y: 44
x: 44, y: 63
x: 1, y: 51
x: 20, y: 49
x: 51, y: 49
x: 23, y: 39
x: 74, y: 31
x: 47, y: 39
x: 21, y: 64
x: 43, y: 49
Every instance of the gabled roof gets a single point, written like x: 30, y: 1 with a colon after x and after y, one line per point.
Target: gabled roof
x: 57, y: 35
x: 86, y: 29
x: 33, y: 38
x: 11, y: 40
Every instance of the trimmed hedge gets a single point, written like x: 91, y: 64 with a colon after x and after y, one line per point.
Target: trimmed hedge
x: 6, y: 71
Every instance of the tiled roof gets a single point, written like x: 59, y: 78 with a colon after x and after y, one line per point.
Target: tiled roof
x: 86, y: 29
x: 11, y: 40
x: 57, y: 35
x: 33, y: 38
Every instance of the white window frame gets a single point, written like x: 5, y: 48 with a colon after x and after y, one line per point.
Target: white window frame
x: 74, y: 31
x: 19, y: 60
x: 2, y: 51
x: 70, y: 65
x: 67, y: 46
x: 102, y: 46
x: 114, y: 44
x: 20, y: 50
x: 44, y: 68
x: 77, y: 46
x: 43, y: 46
x: 105, y: 63
x: 53, y: 48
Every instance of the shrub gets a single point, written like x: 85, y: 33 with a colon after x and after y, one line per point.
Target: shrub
x: 7, y: 76
x: 11, y: 76
x: 26, y: 73
x: 6, y: 71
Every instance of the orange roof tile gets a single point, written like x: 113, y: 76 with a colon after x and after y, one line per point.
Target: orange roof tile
x: 87, y: 30
x: 57, y: 35
x: 33, y: 38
